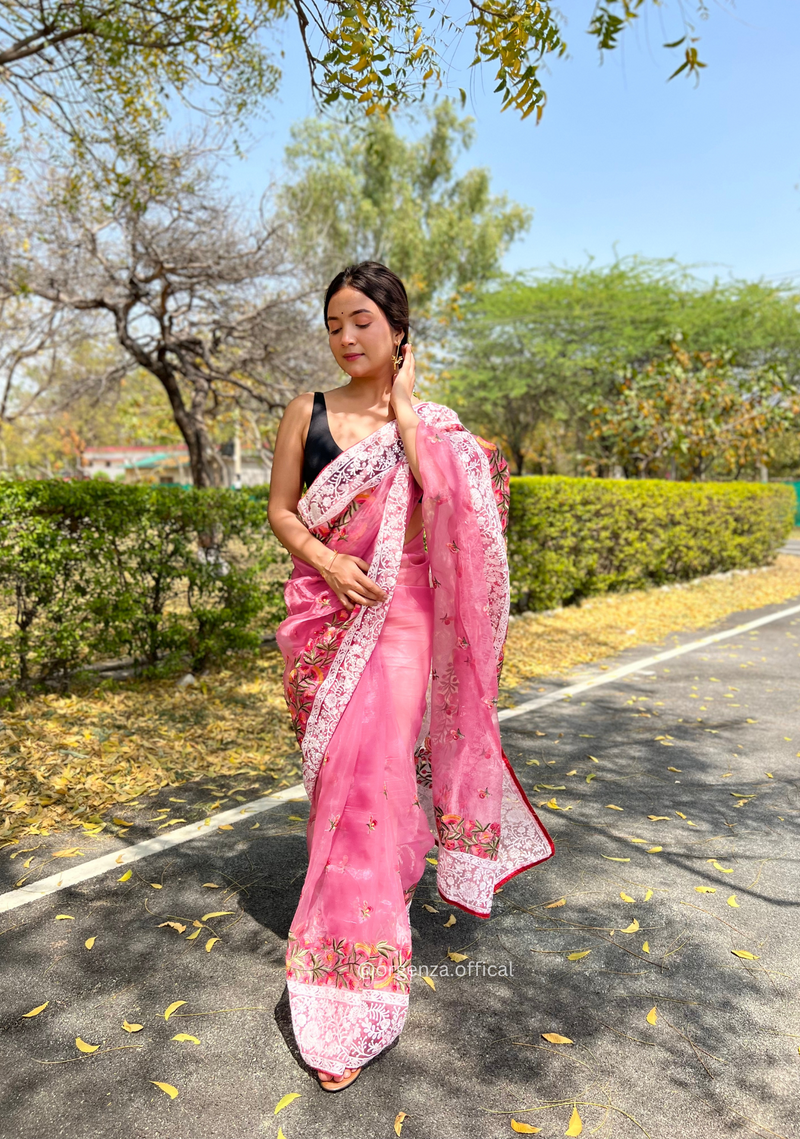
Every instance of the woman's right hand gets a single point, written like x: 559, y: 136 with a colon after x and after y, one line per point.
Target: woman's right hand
x: 348, y: 580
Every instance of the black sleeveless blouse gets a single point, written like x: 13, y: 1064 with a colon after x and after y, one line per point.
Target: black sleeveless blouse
x: 321, y: 447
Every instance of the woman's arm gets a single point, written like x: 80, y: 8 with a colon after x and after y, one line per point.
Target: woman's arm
x: 346, y: 576
x: 407, y: 418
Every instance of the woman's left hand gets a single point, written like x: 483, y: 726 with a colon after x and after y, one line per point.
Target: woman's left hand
x: 403, y: 383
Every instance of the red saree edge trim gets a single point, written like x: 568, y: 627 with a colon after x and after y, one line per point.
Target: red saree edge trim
x: 458, y: 905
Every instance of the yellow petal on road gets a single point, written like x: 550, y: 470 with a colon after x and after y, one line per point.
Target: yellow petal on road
x: 626, y: 897
x: 450, y: 921
x: 555, y: 905
x: 173, y: 925
x: 429, y: 981
x: 554, y: 1038
x: 524, y: 1128
x: 680, y: 814
x: 37, y: 1010
x: 578, y: 956
x: 575, y: 1124
x: 225, y: 827
x: 659, y: 818
x: 677, y: 770
x: 743, y: 953
x: 170, y: 1010
x: 654, y: 849
x: 433, y: 861
x: 186, y: 1036
x: 724, y: 869
x: 121, y: 822
x: 285, y: 1101
x: 648, y: 895
x: 64, y: 917
x: 156, y: 886
x: 168, y: 1088
x: 212, y: 886
x: 132, y: 1027
x: 398, y: 1122
x: 457, y: 957
x: 611, y: 858
x: 732, y: 902
x: 89, y: 942
x: 646, y: 947
x: 125, y: 876
x: 82, y: 1046
x: 430, y: 909
x: 216, y: 914
x: 614, y: 807
x: 210, y: 943
x: 632, y: 928
x: 196, y: 933
x: 652, y: 1016
x: 706, y: 889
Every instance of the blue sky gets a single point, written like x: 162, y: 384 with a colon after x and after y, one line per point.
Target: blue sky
x: 706, y: 174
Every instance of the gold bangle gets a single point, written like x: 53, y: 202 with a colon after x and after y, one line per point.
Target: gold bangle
x: 330, y: 563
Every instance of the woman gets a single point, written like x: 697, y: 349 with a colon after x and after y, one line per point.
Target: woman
x: 397, y: 616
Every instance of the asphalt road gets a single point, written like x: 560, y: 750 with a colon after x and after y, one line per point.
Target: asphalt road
x: 721, y: 1058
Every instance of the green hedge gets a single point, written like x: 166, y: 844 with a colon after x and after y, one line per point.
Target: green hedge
x: 571, y: 538
x: 94, y: 570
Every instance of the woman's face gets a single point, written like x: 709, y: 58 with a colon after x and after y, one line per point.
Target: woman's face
x: 361, y: 338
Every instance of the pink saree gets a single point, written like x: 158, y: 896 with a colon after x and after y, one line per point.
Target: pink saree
x: 395, y: 709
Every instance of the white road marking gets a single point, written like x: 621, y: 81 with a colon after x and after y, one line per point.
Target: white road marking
x: 639, y: 665
x: 118, y: 858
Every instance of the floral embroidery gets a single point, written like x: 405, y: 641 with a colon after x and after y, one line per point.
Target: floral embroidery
x: 334, y: 530
x: 372, y: 822
x: 310, y: 668
x: 423, y: 758
x: 501, y: 483
x: 333, y: 822
x: 467, y: 835
x: 364, y: 911
x: 349, y: 965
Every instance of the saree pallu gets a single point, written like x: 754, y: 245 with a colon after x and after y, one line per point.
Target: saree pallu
x: 395, y: 710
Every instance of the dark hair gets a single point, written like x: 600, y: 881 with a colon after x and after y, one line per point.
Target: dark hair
x: 381, y: 285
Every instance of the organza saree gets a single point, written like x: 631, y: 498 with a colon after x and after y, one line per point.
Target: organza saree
x: 395, y: 710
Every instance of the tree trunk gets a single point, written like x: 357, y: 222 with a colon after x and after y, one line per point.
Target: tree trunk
x: 205, y: 466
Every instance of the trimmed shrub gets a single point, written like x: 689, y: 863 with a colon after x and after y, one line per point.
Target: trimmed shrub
x: 94, y: 569
x: 570, y: 538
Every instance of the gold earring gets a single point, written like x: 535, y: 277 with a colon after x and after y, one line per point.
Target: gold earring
x: 397, y: 359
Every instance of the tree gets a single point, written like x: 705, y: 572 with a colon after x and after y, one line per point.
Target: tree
x: 202, y: 298
x: 103, y: 71
x: 688, y: 413
x: 537, y: 352
x: 367, y: 193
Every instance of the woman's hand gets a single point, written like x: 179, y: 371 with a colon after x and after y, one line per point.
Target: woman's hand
x: 403, y: 383
x: 348, y: 580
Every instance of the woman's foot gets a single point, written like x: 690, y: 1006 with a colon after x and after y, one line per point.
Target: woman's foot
x: 333, y: 1083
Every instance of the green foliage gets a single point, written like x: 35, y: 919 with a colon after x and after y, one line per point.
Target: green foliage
x: 90, y: 569
x: 367, y: 193
x: 99, y: 74
x: 682, y: 415
x: 537, y: 352
x: 570, y: 538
